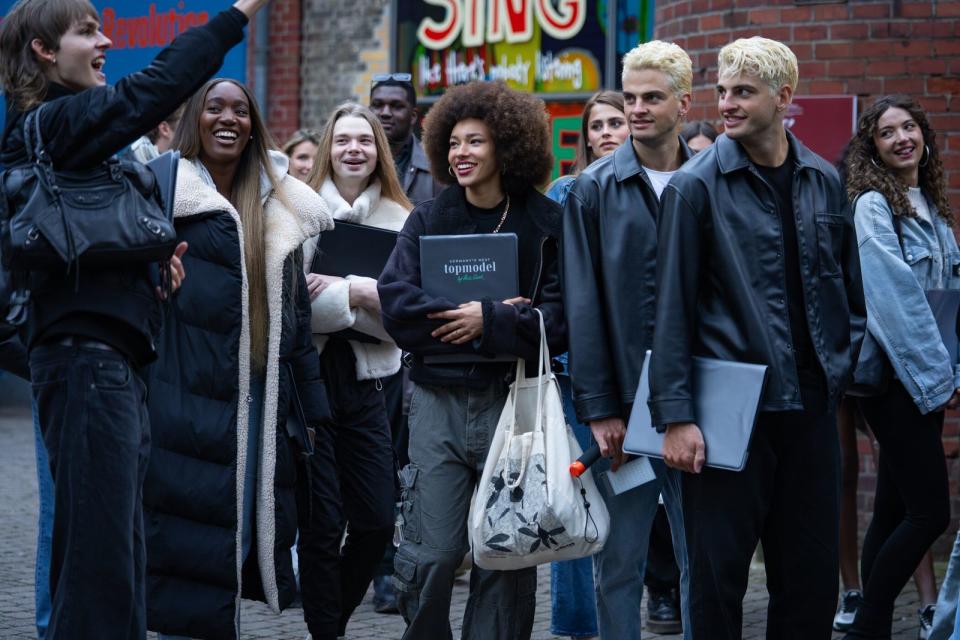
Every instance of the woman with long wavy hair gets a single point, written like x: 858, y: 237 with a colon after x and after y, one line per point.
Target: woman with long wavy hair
x: 352, y: 469
x: 907, y: 248
x: 235, y: 361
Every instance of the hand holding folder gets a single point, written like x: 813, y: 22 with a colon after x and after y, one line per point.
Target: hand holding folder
x: 726, y: 402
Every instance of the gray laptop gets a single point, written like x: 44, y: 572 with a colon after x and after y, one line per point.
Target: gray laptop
x: 726, y: 399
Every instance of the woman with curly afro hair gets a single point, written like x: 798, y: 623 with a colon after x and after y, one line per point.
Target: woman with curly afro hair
x: 491, y: 144
x: 907, y: 248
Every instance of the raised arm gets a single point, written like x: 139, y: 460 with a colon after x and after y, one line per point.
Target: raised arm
x: 114, y: 116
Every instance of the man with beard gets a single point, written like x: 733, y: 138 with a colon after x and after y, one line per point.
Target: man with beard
x: 394, y: 100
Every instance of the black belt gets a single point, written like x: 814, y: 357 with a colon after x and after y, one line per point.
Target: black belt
x: 77, y: 341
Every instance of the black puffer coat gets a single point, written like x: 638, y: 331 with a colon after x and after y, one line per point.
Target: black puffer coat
x: 198, y: 401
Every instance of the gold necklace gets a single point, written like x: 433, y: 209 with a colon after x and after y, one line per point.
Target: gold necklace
x: 506, y: 210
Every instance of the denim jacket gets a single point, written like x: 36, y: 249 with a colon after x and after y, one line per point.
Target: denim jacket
x: 899, y: 321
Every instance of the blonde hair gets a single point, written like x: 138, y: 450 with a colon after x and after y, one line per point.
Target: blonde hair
x: 771, y: 61
x: 245, y: 196
x: 385, y: 171
x: 665, y: 57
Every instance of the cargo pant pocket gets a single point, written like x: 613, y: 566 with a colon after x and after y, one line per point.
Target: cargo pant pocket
x: 409, y: 504
x: 405, y: 582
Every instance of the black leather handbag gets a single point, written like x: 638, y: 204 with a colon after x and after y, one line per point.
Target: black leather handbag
x: 107, y: 216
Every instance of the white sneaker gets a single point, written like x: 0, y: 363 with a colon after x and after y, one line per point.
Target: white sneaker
x: 926, y: 621
x: 850, y: 601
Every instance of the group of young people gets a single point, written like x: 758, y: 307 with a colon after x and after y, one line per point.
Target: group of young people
x: 195, y: 439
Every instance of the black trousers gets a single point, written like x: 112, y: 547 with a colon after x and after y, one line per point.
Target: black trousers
x: 911, y: 507
x: 350, y: 480
x: 662, y: 573
x: 393, y: 392
x: 91, y: 406
x: 787, y: 498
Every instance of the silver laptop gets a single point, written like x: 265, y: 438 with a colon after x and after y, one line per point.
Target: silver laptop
x: 726, y: 399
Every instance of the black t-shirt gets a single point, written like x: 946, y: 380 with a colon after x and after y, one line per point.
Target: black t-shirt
x: 487, y: 219
x: 812, y: 383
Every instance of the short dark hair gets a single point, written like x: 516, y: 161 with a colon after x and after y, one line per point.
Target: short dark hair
x: 406, y: 85
x: 517, y: 121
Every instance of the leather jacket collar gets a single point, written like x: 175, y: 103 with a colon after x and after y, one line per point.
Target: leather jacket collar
x: 731, y: 156
x: 626, y: 164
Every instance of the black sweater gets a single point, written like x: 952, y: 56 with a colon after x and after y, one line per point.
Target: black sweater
x: 85, y: 128
x: 507, y: 329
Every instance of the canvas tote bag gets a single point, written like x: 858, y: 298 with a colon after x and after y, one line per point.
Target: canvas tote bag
x: 529, y: 509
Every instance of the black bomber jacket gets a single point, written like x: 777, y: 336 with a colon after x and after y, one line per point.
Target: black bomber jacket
x: 609, y: 280
x: 721, y: 280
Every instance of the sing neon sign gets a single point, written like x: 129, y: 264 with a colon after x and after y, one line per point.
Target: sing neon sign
x: 480, y: 22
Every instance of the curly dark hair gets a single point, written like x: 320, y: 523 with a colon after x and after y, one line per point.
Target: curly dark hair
x: 517, y: 121
x: 865, y: 172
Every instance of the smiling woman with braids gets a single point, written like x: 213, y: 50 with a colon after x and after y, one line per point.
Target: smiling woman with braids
x: 907, y: 247
x: 492, y: 145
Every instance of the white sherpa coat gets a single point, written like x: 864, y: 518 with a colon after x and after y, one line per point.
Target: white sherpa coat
x: 331, y: 309
x: 284, y: 232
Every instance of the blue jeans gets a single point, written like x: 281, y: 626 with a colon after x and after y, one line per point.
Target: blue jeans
x: 945, y: 623
x: 620, y: 567
x: 572, y: 596
x: 44, y: 531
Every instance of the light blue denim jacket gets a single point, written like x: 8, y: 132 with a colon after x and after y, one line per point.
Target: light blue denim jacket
x: 899, y: 321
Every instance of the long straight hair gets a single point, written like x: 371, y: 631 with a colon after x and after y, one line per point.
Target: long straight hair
x: 585, y: 155
x: 385, y: 171
x: 245, y: 197
x: 21, y: 73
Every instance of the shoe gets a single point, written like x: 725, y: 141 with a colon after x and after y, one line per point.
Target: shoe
x: 850, y: 601
x: 663, y: 612
x: 384, y: 595
x: 926, y: 621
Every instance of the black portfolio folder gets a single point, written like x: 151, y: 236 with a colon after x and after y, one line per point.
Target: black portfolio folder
x: 353, y: 249
x: 164, y: 168
x: 464, y: 268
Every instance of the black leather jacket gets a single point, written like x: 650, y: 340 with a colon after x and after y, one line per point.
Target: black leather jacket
x: 721, y: 279
x: 609, y: 280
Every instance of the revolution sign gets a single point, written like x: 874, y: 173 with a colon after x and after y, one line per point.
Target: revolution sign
x: 139, y: 30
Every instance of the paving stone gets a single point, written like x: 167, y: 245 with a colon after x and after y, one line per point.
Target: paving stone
x: 18, y: 530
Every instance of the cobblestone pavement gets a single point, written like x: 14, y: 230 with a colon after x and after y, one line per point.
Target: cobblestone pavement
x: 18, y: 505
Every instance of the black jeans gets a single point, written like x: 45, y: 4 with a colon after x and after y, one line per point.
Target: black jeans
x: 350, y: 479
x: 911, y: 507
x: 91, y: 405
x: 787, y: 497
x: 662, y: 574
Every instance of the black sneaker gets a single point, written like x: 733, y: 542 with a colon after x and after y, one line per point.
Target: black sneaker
x: 850, y: 601
x: 384, y: 595
x: 663, y: 612
x: 926, y: 621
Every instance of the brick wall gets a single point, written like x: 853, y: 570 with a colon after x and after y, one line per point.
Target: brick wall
x: 344, y: 43
x: 862, y: 47
x: 282, y: 108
